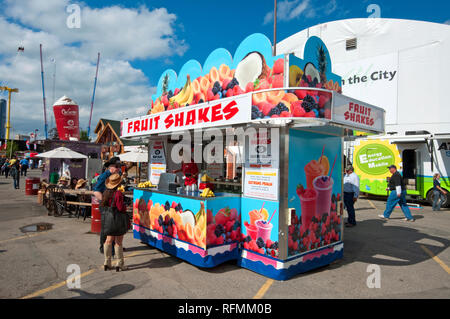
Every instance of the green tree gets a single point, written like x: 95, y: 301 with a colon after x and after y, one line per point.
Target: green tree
x: 84, y: 136
x: 12, y: 148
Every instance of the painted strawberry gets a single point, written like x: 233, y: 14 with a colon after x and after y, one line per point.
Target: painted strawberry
x: 237, y: 90
x: 278, y: 66
x: 300, y: 189
x: 249, y: 87
x: 220, y: 240
x: 233, y: 214
x: 222, y: 216
x: 301, y: 94
x: 209, y: 217
x: 225, y: 83
x: 209, y: 95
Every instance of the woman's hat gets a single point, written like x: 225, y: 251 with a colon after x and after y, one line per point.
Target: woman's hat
x: 63, y: 178
x: 113, y: 181
x: 113, y: 161
x: 81, y: 182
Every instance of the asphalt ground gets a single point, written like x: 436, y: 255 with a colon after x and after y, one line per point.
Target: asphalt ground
x: 413, y: 260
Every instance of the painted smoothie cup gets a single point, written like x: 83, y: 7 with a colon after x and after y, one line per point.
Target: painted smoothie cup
x: 312, y: 170
x: 254, y: 216
x: 308, y: 206
x: 324, y: 188
x: 252, y: 231
x: 264, y: 229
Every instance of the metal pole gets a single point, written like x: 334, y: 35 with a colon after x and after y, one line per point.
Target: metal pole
x: 93, y: 96
x: 8, y: 125
x: 43, y: 94
x: 275, y: 29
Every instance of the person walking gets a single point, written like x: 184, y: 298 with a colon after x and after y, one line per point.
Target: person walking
x: 351, y: 193
x: 15, y: 173
x: 114, y: 198
x: 23, y: 167
x: 438, y: 193
x: 2, y: 165
x: 111, y: 167
x: 7, y: 168
x: 397, y: 195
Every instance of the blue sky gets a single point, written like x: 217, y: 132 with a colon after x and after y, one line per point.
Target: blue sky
x: 207, y: 25
x: 138, y: 40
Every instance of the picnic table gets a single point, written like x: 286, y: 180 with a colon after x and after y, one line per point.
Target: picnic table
x: 59, y: 200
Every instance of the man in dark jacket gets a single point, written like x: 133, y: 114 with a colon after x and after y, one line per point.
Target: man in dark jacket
x: 397, y: 195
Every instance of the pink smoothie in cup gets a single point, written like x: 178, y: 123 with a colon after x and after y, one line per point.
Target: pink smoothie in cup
x: 252, y: 231
x: 324, y: 187
x: 308, y: 206
x: 264, y: 229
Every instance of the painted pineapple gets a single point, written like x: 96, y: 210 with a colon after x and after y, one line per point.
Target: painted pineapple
x: 322, y: 64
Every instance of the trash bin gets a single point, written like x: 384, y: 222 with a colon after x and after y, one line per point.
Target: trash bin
x: 32, y: 185
x: 96, y: 217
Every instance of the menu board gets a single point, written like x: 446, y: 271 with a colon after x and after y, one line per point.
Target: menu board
x: 261, y: 170
x: 157, y: 161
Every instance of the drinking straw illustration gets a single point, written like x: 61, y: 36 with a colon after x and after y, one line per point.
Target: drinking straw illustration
x: 271, y: 216
x: 333, y: 165
x: 260, y: 211
x: 323, y: 148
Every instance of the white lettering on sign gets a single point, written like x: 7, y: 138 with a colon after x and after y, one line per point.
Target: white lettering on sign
x: 68, y: 112
x: 224, y: 112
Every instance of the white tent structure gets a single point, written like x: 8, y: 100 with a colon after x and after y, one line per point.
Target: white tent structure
x: 405, y: 63
x: 62, y: 152
x: 140, y: 156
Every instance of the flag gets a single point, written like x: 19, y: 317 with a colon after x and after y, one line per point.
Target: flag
x: 35, y: 145
x: 28, y: 144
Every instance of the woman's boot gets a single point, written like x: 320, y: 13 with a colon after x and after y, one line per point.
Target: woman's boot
x: 120, y: 262
x: 107, y: 249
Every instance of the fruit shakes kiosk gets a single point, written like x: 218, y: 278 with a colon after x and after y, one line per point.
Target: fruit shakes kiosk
x: 267, y: 135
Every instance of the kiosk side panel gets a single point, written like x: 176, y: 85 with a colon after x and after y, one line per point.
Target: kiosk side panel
x: 313, y: 196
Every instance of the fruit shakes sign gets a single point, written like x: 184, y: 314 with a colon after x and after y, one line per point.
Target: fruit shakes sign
x: 211, y: 114
x: 357, y: 114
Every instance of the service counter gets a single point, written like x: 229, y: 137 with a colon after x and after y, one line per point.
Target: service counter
x: 204, y: 231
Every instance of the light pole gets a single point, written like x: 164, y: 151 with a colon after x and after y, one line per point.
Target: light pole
x: 8, y: 123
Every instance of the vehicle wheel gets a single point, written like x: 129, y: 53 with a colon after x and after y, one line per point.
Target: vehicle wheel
x: 445, y: 203
x: 430, y: 197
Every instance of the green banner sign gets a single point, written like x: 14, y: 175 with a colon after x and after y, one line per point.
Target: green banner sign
x: 373, y: 159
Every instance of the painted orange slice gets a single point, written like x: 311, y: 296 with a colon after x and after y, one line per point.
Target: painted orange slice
x: 224, y: 72
x: 258, y: 98
x: 214, y: 75
x: 275, y: 97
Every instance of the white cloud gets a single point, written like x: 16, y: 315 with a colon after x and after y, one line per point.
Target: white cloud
x: 119, y: 34
x: 290, y: 10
